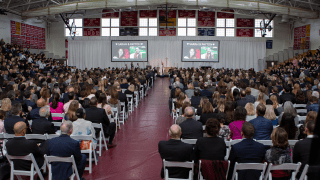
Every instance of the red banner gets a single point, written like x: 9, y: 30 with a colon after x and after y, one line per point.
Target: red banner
x: 31, y: 42
x: 210, y: 14
x: 127, y: 14
x: 66, y: 54
x: 171, y: 14
x: 303, y: 31
x: 91, y: 31
x: 109, y: 13
x: 245, y: 32
x: 28, y: 29
x: 245, y: 22
x: 131, y: 21
x: 36, y: 42
x: 43, y: 33
x: 13, y: 27
x: 28, y: 42
x: 66, y: 43
x: 23, y: 40
x: 91, y: 22
x: 167, y: 32
x: 23, y: 29
x: 206, y: 22
x: 296, y: 33
x: 31, y: 31
x: 148, y: 13
x: 226, y: 15
x: 187, y: 13
x: 307, y: 45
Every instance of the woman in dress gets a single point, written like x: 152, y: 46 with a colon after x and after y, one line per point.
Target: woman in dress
x: 56, y: 106
x: 239, y: 118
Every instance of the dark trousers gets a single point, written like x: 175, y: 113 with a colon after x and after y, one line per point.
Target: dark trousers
x: 82, y: 164
x: 110, y: 131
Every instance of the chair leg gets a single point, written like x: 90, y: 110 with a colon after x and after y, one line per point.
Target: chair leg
x: 95, y: 157
x: 90, y: 161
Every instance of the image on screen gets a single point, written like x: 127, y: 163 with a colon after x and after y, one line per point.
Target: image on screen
x: 123, y: 51
x: 207, y: 51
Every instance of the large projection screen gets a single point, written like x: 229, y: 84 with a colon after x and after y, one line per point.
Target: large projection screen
x: 200, y: 51
x: 124, y: 51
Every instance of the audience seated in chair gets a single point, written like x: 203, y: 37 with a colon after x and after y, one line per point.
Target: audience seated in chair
x: 262, y: 126
x: 10, y: 121
x: 191, y: 129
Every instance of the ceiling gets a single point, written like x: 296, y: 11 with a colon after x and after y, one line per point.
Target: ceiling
x: 48, y: 8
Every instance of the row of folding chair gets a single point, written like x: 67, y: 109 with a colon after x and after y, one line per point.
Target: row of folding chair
x: 266, y: 170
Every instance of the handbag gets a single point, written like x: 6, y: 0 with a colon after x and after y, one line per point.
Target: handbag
x: 85, y: 145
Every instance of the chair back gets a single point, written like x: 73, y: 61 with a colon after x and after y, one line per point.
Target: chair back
x: 266, y: 142
x: 214, y: 170
x: 123, y: 90
x: 50, y: 136
x: 301, y: 111
x: 304, y: 173
x: 8, y: 136
x: 292, y: 142
x: 82, y: 137
x: 249, y: 166
x: 57, y: 124
x: 299, y: 105
x: 167, y: 164
x: 51, y: 159
x: 36, y: 136
x: 286, y: 166
x: 60, y: 115
x: 189, y: 141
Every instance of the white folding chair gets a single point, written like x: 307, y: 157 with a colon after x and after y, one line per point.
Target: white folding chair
x: 299, y: 105
x: 189, y: 141
x: 177, y: 164
x: 8, y: 136
x: 101, y: 137
x: 33, y: 170
x: 51, y: 159
x: 141, y: 91
x: 90, y: 150
x: 123, y: 90
x: 151, y: 81
x: 200, y: 173
x: 136, y: 94
x: 130, y: 102
x: 302, y: 111
x: 50, y: 136
x: 57, y: 124
x: 36, y: 136
x: 115, y: 113
x: 302, y: 119
x: 286, y: 166
x: 122, y: 113
x: 197, y: 118
x: 292, y: 142
x: 228, y: 144
x: 62, y: 115
x: 249, y: 166
x: 265, y: 142
x: 303, y: 175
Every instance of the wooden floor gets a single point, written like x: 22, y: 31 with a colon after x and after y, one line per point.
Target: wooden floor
x: 136, y: 155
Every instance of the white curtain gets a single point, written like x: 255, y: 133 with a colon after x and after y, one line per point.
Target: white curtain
x: 235, y: 52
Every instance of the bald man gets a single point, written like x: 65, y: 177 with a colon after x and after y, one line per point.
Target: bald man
x: 191, y: 129
x: 14, y: 148
x: 34, y: 113
x: 175, y: 150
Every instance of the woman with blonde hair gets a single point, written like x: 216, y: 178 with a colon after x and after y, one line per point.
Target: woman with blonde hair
x: 6, y: 107
x: 221, y: 105
x: 215, y: 98
x: 251, y: 113
x: 190, y: 91
x: 270, y: 114
x: 207, y: 112
x: 261, y: 99
x: 296, y: 88
x: 202, y: 102
x: 114, y: 102
x: 182, y: 97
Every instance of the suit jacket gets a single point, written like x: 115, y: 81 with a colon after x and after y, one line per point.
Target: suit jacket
x: 247, y: 151
x: 175, y: 150
x: 242, y: 102
x: 34, y: 114
x: 301, y: 152
x: 263, y: 128
x: 30, y: 103
x: 191, y: 129
x: 195, y: 101
x: 250, y: 98
x: 20, y: 146
x: 206, y: 93
x: 63, y: 146
x: 66, y: 97
x: 10, y: 121
x: 97, y: 115
x: 42, y: 126
x: 287, y: 97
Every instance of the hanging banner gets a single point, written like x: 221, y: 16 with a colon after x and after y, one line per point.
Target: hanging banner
x: 66, y: 43
x: 23, y: 29
x: 28, y: 42
x: 206, y: 31
x: 91, y: 31
x: 148, y: 13
x: 109, y: 13
x: 171, y: 18
x: 186, y: 13
x: 167, y: 32
x: 224, y: 14
x: 28, y: 30
x: 308, y: 30
x: 91, y: 22
x: 206, y: 22
x: 241, y: 22
x: 13, y: 27
x: 245, y: 33
x: 18, y: 28
x: 129, y: 18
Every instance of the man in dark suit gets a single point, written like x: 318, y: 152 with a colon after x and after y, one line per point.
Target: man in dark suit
x: 249, y: 97
x: 27, y: 96
x: 263, y: 127
x: 64, y: 146
x: 205, y: 91
x: 287, y: 95
x: 66, y: 95
x: 34, y: 113
x: 247, y: 151
x: 243, y: 101
x: 195, y: 100
x: 191, y: 129
x: 42, y: 125
x: 98, y: 115
x: 122, y: 97
x: 175, y: 150
x: 20, y: 146
x: 301, y: 151
x: 10, y: 121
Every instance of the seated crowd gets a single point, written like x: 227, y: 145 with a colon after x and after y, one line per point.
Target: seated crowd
x: 234, y: 104
x: 33, y: 87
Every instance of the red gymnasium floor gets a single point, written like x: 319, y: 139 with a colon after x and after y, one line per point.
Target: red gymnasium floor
x: 136, y: 155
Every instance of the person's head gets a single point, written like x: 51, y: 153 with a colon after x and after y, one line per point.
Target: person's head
x: 93, y: 101
x: 240, y: 113
x: 190, y: 86
x: 269, y: 113
x: 71, y: 95
x: 41, y: 102
x: 197, y: 92
x: 6, y: 104
x: 261, y: 98
x: 66, y: 128
x: 20, y: 128
x: 311, y: 116
x: 288, y: 124
x: 250, y: 109
x: 248, y: 90
x: 279, y: 138
x: 288, y: 108
x: 207, y: 108
x: 11, y: 95
x: 175, y: 131
x: 137, y: 50
x: 120, y: 52
x: 212, y: 127
x: 80, y: 113
x: 247, y: 130
x: 188, y: 112
x: 16, y: 109
x: 184, y: 105
x: 191, y: 52
x: 275, y: 89
x: 261, y: 109
x: 243, y: 93
x: 44, y: 112
x: 131, y: 88
x: 27, y: 94
x: 310, y: 125
x: 287, y: 88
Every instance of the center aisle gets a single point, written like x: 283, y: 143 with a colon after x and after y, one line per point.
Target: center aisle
x: 136, y: 155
